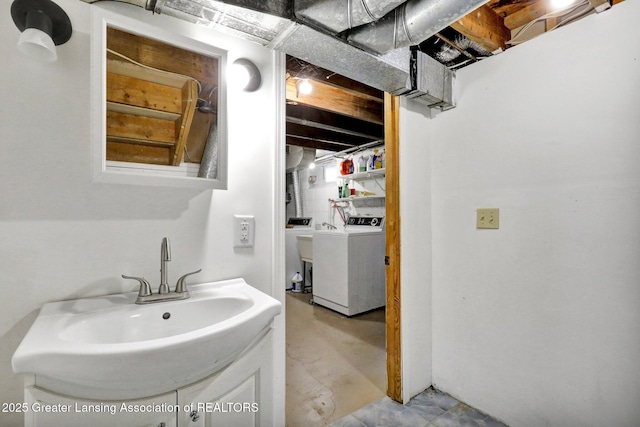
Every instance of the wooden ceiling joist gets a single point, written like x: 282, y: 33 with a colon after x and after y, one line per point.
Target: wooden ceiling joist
x: 328, y: 120
x: 337, y: 115
x: 525, y: 15
x: 330, y: 98
x: 484, y: 27
x: 303, y: 70
x: 314, y: 143
x: 325, y: 134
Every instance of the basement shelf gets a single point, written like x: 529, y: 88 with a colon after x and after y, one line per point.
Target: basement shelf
x: 376, y: 173
x: 357, y: 198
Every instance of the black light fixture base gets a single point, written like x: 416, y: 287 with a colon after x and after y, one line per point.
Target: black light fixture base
x: 60, y: 23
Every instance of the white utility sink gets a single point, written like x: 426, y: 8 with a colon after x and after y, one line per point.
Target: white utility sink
x: 305, y: 246
x: 110, y: 348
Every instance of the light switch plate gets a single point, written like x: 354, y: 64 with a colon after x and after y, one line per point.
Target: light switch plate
x: 488, y: 218
x: 243, y: 231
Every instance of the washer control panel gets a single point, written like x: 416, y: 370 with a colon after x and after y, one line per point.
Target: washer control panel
x: 366, y: 221
x: 300, y: 221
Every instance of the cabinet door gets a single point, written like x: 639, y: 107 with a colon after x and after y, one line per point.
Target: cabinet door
x: 236, y: 408
x: 241, y: 395
x: 47, y: 409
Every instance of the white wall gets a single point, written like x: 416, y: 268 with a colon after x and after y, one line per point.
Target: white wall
x: 416, y: 235
x: 65, y: 237
x: 538, y: 323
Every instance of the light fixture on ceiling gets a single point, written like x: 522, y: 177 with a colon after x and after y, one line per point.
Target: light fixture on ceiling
x: 245, y: 75
x: 304, y: 87
x: 43, y: 25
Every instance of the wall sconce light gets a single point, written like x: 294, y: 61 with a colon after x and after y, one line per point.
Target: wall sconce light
x: 245, y: 75
x: 43, y: 25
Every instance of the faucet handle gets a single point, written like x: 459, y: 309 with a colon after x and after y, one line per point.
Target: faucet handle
x: 181, y: 286
x: 145, y: 287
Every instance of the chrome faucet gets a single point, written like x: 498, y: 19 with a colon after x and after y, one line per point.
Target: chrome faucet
x: 165, y: 257
x: 145, y: 295
x: 329, y: 226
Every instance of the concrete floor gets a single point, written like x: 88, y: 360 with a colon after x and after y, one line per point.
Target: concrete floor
x: 335, y: 365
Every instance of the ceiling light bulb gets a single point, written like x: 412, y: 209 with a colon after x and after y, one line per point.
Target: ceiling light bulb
x: 305, y: 87
x: 312, y: 166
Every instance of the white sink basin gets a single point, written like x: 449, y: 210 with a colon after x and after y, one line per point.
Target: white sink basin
x: 110, y: 348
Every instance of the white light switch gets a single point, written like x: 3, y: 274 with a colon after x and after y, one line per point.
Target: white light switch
x: 243, y: 231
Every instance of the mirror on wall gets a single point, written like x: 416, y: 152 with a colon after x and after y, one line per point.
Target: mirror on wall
x: 161, y: 108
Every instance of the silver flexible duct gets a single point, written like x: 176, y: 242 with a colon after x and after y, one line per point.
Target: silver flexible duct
x: 410, y: 24
x: 209, y: 162
x: 296, y: 193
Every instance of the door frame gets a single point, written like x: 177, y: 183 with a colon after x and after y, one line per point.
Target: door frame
x: 392, y: 259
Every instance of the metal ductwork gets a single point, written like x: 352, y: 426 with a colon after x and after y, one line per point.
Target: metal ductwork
x: 299, y: 158
x: 272, y: 23
x: 410, y: 24
x: 339, y: 15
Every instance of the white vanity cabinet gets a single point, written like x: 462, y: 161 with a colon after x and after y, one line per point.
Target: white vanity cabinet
x: 47, y: 409
x: 241, y: 395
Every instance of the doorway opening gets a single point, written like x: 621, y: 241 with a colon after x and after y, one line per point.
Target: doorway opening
x: 335, y: 136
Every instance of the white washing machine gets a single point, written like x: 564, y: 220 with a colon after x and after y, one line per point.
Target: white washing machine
x: 348, y: 266
x: 293, y: 264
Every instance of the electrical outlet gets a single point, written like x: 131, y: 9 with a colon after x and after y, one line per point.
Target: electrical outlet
x: 243, y: 231
x: 488, y: 218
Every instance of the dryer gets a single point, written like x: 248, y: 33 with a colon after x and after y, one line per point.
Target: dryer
x: 348, y: 266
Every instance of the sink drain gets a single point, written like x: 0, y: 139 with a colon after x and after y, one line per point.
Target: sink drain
x: 166, y: 315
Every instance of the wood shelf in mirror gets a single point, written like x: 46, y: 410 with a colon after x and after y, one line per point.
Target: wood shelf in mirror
x: 149, y: 113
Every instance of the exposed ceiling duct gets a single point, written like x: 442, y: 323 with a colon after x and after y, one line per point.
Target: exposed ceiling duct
x: 410, y: 24
x: 299, y: 157
x: 339, y: 15
x: 274, y: 24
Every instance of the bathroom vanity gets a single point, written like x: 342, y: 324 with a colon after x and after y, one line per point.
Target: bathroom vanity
x: 105, y: 361
x: 232, y: 397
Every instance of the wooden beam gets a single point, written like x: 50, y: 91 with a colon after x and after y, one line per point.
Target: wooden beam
x: 310, y: 116
x: 325, y: 134
x: 330, y: 98
x: 526, y: 15
x: 484, y: 27
x: 329, y: 128
x: 392, y: 153
x: 313, y: 143
x: 304, y: 70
